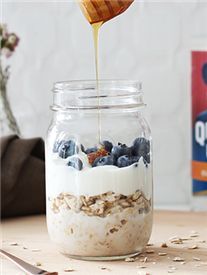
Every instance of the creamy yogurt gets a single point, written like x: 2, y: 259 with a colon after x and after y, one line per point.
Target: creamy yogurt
x: 96, y: 180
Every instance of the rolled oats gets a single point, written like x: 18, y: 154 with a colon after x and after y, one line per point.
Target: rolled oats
x: 101, y: 205
x: 162, y: 254
x: 164, y: 245
x: 150, y: 251
x: 194, y: 246
x: 129, y: 260
x: 178, y: 259
x: 176, y: 241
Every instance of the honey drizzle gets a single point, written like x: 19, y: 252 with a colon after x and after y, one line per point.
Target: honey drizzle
x: 96, y: 27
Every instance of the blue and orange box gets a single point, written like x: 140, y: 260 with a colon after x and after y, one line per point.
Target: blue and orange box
x: 199, y: 122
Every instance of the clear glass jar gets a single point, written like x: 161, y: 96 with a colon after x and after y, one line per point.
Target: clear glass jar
x: 99, y: 170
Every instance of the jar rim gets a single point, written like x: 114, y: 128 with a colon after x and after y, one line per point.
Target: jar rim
x: 72, y: 85
x: 88, y: 95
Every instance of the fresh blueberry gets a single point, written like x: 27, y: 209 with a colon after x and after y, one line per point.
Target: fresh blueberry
x: 204, y: 73
x: 124, y: 161
x: 67, y: 149
x: 121, y: 150
x: 57, y: 145
x: 75, y: 163
x: 101, y: 161
x: 91, y: 150
x: 141, y: 147
x: 107, y: 145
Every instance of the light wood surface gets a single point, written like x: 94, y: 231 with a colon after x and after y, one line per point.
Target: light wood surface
x: 27, y: 238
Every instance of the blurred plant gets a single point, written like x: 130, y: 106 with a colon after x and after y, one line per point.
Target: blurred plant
x: 9, y: 42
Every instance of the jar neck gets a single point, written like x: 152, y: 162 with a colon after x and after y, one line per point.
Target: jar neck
x: 87, y: 96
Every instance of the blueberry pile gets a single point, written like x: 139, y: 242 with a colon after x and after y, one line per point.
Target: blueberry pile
x: 67, y: 149
x: 118, y: 155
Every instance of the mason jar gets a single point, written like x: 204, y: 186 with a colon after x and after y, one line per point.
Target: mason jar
x: 99, y: 170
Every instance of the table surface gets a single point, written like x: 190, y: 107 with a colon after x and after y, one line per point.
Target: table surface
x: 27, y: 237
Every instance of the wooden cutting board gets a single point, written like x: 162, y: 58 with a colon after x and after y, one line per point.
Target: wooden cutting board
x: 27, y: 238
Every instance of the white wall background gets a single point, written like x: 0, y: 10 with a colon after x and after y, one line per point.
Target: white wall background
x: 150, y: 42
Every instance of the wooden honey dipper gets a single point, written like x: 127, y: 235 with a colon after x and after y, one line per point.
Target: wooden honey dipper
x: 103, y: 10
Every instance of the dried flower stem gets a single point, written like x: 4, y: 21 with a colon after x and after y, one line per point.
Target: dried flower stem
x: 12, y: 123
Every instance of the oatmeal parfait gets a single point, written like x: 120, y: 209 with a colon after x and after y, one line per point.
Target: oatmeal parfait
x: 99, y: 193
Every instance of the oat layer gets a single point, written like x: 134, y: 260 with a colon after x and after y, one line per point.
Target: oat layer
x: 101, y: 205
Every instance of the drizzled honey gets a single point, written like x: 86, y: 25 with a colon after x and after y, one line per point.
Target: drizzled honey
x: 96, y: 27
x: 97, y: 12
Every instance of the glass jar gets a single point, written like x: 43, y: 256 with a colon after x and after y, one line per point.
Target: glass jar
x: 99, y: 170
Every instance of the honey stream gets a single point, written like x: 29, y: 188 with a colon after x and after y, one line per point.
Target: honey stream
x: 96, y: 28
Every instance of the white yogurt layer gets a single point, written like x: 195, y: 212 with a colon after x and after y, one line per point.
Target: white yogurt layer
x: 97, y: 180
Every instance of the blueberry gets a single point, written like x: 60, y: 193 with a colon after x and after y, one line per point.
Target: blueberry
x: 91, y: 150
x: 107, y: 145
x: 121, y: 150
x: 124, y: 161
x: 204, y: 73
x: 141, y: 147
x: 101, y: 161
x: 75, y: 163
x: 57, y: 145
x: 67, y: 149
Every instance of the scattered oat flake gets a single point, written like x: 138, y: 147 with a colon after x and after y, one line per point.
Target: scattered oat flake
x: 38, y: 264
x: 14, y: 244
x: 36, y: 250
x: 129, y: 260
x: 150, y: 251
x: 145, y: 260
x: 182, y: 263
x: 69, y: 270
x: 194, y: 235
x: 201, y: 241
x: 163, y: 245
x: 105, y: 268
x: 24, y: 247
x: 176, y: 241
x: 178, y: 259
x: 194, y: 246
x: 150, y: 244
x: 162, y: 254
x: 141, y: 266
x: 153, y: 262
x: 172, y: 238
x: 196, y: 259
x: 186, y: 239
x: 170, y: 271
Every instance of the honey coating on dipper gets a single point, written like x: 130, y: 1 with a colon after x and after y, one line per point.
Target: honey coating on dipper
x: 103, y: 10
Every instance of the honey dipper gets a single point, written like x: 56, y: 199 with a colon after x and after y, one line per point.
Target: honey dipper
x: 103, y: 10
